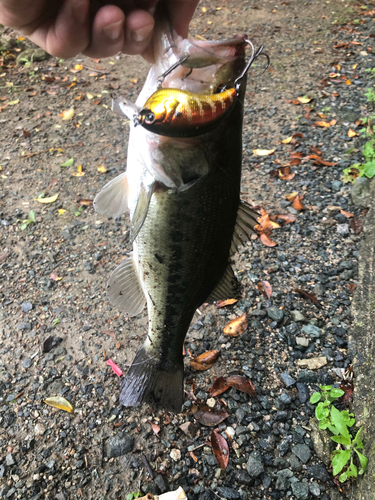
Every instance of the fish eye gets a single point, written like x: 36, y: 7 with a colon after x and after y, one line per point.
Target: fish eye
x: 149, y: 118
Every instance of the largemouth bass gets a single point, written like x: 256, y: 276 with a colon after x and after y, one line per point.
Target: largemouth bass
x: 187, y: 219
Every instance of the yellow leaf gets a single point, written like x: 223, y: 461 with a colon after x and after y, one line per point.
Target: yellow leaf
x: 67, y: 114
x: 263, y: 152
x: 133, y: 80
x: 204, y: 9
x: 304, y: 100
x: 354, y: 66
x: 51, y: 199
x: 348, y: 82
x: 89, y: 96
x: 61, y: 211
x: 60, y: 403
x: 12, y: 103
x: 1, y: 168
x: 351, y: 133
x: 102, y: 169
x: 287, y: 140
x: 78, y: 67
x: 21, y: 38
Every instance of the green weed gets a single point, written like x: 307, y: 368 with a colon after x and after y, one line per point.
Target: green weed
x: 30, y: 220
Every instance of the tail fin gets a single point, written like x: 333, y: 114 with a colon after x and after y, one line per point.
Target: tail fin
x: 147, y: 382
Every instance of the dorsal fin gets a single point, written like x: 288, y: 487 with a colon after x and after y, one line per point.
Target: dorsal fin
x: 244, y: 228
x: 112, y: 200
x: 227, y: 288
x: 125, y: 289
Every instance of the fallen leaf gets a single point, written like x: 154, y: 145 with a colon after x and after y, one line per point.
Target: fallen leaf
x: 297, y: 204
x: 236, y: 326
x: 210, y: 418
x: 220, y: 449
x: 208, y: 357
x: 304, y: 100
x: 55, y: 277
x: 195, y: 365
x: 67, y: 114
x: 288, y: 218
x: 287, y: 140
x: 68, y: 163
x: 322, y: 124
x: 218, y: 387
x: 13, y: 103
x: 102, y: 169
x: 155, y: 428
x: 50, y: 199
x: 356, y: 225
x: 227, y: 302
x: 60, y: 403
x: 78, y: 67
x: 89, y: 96
x: 61, y: 211
x: 263, y: 152
x: 114, y: 367
x: 308, y: 295
x: 285, y: 174
x: 346, y: 214
x: 242, y: 384
x: 265, y: 288
x: 79, y: 172
x: 348, y: 81
x: 86, y: 202
x: 348, y: 387
x: 295, y: 161
x: 351, y: 133
x: 291, y: 197
x: 266, y: 240
x: 296, y: 155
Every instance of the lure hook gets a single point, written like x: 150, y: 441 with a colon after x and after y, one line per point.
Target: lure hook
x: 254, y: 56
x: 172, y: 68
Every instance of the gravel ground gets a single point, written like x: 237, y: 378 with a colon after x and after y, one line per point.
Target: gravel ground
x: 53, y: 273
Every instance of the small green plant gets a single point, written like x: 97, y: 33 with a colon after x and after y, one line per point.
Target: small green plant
x: 339, y: 422
x: 30, y: 220
x: 372, y: 71
x: 55, y: 322
x: 130, y: 496
x: 78, y: 212
x: 370, y: 94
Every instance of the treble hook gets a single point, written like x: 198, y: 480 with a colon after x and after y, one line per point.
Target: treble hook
x: 172, y: 68
x: 254, y: 56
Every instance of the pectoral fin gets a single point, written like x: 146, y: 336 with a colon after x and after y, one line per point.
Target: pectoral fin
x: 140, y: 212
x: 244, y: 228
x: 112, y: 200
x: 227, y: 288
x: 125, y: 289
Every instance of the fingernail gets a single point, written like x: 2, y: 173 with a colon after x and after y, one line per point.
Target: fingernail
x: 141, y: 34
x: 113, y: 31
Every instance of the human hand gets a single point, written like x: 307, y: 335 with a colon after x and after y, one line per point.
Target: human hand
x: 96, y: 28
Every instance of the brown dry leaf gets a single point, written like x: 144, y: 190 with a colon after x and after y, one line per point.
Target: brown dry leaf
x: 155, y: 428
x: 265, y: 288
x: 296, y: 155
x: 86, y: 202
x: 296, y: 102
x: 291, y: 197
x: 263, y: 152
x: 285, y: 174
x: 236, y: 326
x: 218, y: 387
x: 288, y: 218
x: 297, y: 204
x: 322, y: 124
x: 314, y: 149
x: 208, y: 357
x: 210, y: 418
x: 346, y: 214
x: 265, y: 223
x: 308, y: 295
x: 351, y: 133
x: 227, y: 302
x: 266, y: 240
x: 200, y: 367
x: 242, y: 384
x: 356, y: 225
x: 295, y: 161
x: 220, y: 448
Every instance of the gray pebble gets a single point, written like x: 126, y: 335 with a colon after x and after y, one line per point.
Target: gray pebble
x: 26, y: 307
x: 300, y: 490
x: 312, y: 331
x: 254, y: 467
x: 303, y: 452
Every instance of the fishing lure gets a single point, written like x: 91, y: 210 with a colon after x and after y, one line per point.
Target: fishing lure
x: 178, y: 113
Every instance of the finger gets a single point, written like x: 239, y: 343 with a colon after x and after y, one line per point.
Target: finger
x: 181, y: 13
x: 139, y: 26
x: 66, y: 35
x: 107, y: 35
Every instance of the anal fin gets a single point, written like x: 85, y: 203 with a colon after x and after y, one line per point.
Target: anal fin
x: 244, y: 228
x: 125, y: 289
x: 147, y: 382
x: 227, y: 288
x: 112, y: 200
